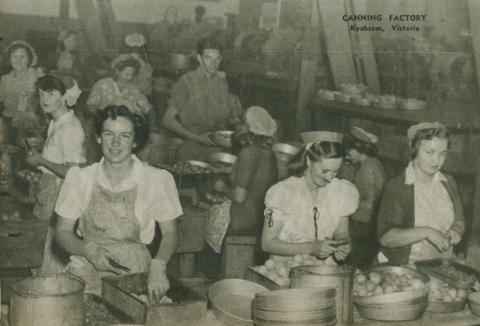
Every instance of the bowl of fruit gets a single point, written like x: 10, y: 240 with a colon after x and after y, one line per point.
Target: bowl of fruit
x: 390, y: 293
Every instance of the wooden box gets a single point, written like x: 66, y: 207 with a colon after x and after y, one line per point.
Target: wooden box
x: 187, y: 304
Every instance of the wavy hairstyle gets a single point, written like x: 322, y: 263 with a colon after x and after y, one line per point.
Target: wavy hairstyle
x: 316, y: 152
x: 140, y: 124
x: 351, y: 142
x: 427, y: 134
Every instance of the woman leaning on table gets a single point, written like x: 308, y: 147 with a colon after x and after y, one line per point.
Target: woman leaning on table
x: 421, y: 214
x: 307, y: 213
x: 116, y: 203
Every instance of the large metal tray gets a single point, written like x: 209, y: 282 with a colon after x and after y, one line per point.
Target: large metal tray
x: 431, y: 267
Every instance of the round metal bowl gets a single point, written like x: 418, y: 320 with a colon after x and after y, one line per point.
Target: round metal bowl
x: 446, y: 307
x: 232, y: 300
x: 199, y: 163
x: 222, y: 159
x: 474, y: 302
x: 413, y: 105
x: 392, y: 314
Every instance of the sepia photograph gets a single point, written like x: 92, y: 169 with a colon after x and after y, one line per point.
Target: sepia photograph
x: 239, y: 162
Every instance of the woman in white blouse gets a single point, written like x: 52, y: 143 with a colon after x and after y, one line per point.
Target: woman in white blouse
x: 308, y: 212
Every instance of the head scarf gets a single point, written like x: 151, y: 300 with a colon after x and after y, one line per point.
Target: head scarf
x: 311, y: 137
x: 260, y: 122
x: 412, y: 131
x: 362, y: 135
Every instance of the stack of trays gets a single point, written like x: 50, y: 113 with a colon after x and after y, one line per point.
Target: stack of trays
x: 315, y: 306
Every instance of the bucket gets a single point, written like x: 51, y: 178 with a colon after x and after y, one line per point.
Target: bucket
x: 338, y: 277
x: 52, y: 301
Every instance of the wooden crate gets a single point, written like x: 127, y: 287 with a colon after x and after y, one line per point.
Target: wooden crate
x: 187, y: 304
x: 238, y: 255
x: 22, y: 239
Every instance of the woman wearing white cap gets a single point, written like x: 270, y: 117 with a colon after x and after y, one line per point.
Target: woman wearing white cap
x: 253, y: 173
x: 308, y: 212
x: 421, y: 213
x: 369, y: 177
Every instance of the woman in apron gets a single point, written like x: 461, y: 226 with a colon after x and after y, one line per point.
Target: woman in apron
x: 369, y: 178
x: 421, y: 214
x: 117, y: 202
x: 307, y: 213
x: 63, y: 148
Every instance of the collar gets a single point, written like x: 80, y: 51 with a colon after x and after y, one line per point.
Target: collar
x: 410, y: 175
x: 203, y: 74
x: 134, y: 178
x: 62, y: 120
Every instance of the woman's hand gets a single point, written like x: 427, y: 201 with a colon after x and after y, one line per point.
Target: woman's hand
x: 437, y: 238
x: 34, y: 158
x: 205, y: 139
x: 158, y: 283
x: 453, y: 237
x: 323, y: 249
x: 342, y: 251
x: 99, y: 257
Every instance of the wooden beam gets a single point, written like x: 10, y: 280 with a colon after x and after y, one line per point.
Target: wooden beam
x: 108, y: 23
x: 64, y: 13
x: 474, y: 12
x: 308, y: 71
x: 337, y: 38
x: 364, y: 51
x: 90, y: 21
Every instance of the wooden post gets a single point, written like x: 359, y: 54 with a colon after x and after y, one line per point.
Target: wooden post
x: 108, y: 23
x: 474, y: 12
x: 88, y: 15
x: 64, y: 13
x: 366, y: 52
x: 308, y: 71
x: 338, y: 43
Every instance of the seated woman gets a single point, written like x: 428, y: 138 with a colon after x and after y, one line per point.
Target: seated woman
x: 253, y: 173
x: 369, y: 177
x: 120, y: 89
x: 116, y: 203
x: 63, y: 148
x: 18, y: 85
x: 421, y: 214
x: 308, y: 212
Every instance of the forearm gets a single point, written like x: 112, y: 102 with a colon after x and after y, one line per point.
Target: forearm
x: 402, y: 237
x: 168, y: 246
x: 69, y: 242
x: 59, y: 169
x: 171, y: 122
x: 285, y: 248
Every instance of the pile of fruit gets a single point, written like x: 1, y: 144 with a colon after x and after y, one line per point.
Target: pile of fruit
x: 13, y: 216
x: 377, y: 283
x: 29, y: 175
x: 212, y: 199
x: 187, y: 167
x: 441, y: 291
x: 277, y: 269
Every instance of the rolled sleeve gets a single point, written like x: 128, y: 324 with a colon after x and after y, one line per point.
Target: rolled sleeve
x: 69, y: 203
x: 180, y: 95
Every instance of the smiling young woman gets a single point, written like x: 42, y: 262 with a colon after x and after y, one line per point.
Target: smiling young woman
x: 308, y: 212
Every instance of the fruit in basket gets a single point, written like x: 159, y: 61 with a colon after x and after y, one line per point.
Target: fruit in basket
x: 443, y: 292
x: 377, y: 283
x: 277, y: 269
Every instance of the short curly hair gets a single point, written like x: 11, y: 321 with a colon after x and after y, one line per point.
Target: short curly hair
x: 209, y: 43
x: 140, y: 124
x: 15, y: 47
x: 128, y: 63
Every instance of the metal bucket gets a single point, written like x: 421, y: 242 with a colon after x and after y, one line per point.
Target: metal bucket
x: 52, y: 301
x: 338, y: 277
